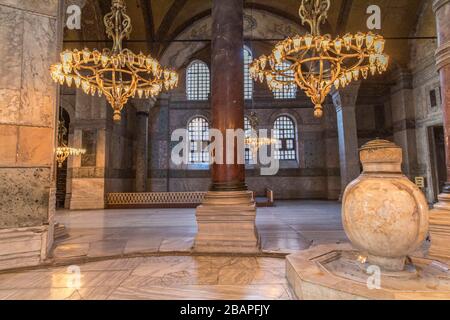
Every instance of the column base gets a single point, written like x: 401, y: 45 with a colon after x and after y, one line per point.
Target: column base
x: 440, y: 228
x: 227, y: 223
x: 389, y: 264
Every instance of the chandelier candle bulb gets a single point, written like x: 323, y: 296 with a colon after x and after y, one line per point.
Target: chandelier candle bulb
x: 336, y: 84
x: 359, y: 40
x: 96, y: 56
x: 370, y: 38
x: 318, y: 43
x: 379, y: 45
x: 348, y: 41
x: 338, y: 45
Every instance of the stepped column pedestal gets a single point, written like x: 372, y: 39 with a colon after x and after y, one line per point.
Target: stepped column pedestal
x: 226, y: 219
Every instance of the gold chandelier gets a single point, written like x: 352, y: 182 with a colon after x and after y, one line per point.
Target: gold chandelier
x: 63, y: 151
x: 117, y: 74
x: 252, y: 140
x: 316, y: 63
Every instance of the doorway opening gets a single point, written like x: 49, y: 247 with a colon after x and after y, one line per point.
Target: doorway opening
x: 437, y: 159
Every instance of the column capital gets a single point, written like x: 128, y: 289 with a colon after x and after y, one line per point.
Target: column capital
x: 438, y: 4
x: 143, y: 106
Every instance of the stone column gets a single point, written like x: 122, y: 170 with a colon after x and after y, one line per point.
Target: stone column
x: 30, y: 40
x: 226, y: 219
x: 142, y: 112
x: 345, y: 103
x: 440, y: 215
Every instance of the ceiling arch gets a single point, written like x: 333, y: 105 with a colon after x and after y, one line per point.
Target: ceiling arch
x: 157, y: 22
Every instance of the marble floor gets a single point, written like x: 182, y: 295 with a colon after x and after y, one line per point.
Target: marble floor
x: 286, y: 228
x: 148, y: 278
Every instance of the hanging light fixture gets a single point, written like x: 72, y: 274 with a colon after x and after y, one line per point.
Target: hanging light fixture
x: 316, y: 63
x: 117, y: 74
x: 63, y: 151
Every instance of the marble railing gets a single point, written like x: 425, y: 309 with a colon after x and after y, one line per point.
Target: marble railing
x: 165, y: 199
x: 155, y: 199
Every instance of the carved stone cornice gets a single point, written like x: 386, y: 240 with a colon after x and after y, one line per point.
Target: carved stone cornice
x: 346, y: 98
x: 438, y: 4
x: 443, y: 55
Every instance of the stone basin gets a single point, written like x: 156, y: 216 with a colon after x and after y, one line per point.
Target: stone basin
x: 339, y: 272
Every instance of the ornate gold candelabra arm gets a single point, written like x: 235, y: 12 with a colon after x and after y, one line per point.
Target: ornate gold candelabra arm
x: 314, y: 12
x: 118, y: 25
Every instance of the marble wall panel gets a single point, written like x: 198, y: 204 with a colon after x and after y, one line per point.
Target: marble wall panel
x: 10, y: 102
x: 291, y: 187
x: 120, y: 185
x: 46, y: 7
x: 39, y: 52
x: 24, y: 196
x: 89, y: 143
x: 35, y: 146
x: 190, y: 184
x: 157, y: 185
x: 8, y: 145
x: 28, y: 37
x: 11, y: 33
x: 88, y: 194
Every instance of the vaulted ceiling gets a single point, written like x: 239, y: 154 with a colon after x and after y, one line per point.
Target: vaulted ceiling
x: 160, y: 21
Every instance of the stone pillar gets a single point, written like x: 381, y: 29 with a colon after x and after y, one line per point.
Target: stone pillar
x: 440, y: 215
x: 404, y: 120
x: 30, y: 39
x: 345, y: 103
x: 226, y: 219
x: 142, y: 112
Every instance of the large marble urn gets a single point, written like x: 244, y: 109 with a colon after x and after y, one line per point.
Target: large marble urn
x: 384, y: 214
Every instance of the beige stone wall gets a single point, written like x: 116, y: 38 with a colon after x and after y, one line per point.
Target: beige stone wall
x: 29, y: 44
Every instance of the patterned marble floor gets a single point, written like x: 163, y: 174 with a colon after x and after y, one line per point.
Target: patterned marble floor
x: 172, y: 278
x: 286, y: 228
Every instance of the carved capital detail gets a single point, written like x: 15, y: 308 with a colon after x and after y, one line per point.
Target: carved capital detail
x: 143, y: 106
x: 438, y: 4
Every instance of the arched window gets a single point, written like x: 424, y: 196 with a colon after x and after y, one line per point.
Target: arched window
x: 288, y: 91
x: 286, y: 134
x: 248, y: 133
x: 198, y: 129
x: 248, y: 81
x: 197, y: 81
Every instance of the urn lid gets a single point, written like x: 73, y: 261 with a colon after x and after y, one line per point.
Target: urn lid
x: 378, y: 144
x: 381, y: 156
